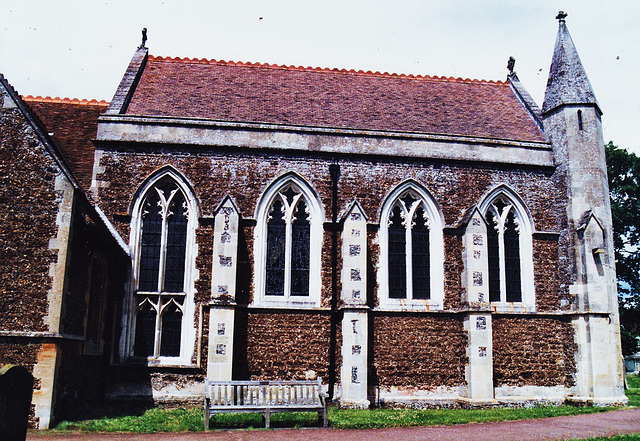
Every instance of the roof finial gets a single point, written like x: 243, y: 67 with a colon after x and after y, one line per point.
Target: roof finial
x: 510, y: 65
x: 561, y: 16
x: 144, y: 38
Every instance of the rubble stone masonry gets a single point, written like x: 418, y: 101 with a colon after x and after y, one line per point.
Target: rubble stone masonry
x: 27, y: 222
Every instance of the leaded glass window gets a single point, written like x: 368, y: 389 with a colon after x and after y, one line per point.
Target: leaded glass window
x: 397, y: 256
x: 503, y: 247
x: 276, y: 245
x: 409, y: 254
x: 160, y: 294
x: 288, y: 244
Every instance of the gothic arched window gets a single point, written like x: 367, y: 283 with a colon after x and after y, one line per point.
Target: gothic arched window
x: 288, y: 240
x: 411, y: 248
x: 162, y: 238
x: 508, y: 250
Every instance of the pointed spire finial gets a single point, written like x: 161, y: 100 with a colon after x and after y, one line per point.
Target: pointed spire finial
x: 144, y: 38
x: 568, y: 82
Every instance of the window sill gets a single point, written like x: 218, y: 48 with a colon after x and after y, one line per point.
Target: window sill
x: 173, y: 363
x: 510, y: 307
x: 410, y: 305
x: 290, y: 303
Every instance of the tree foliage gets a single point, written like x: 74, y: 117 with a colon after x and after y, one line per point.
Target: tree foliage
x: 624, y: 187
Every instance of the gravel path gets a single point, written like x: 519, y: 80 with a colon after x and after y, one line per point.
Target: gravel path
x: 559, y: 428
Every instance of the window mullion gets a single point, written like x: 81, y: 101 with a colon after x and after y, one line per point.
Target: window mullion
x: 501, y: 256
x: 156, y: 343
x: 163, y: 249
x: 287, y: 251
x: 409, y: 256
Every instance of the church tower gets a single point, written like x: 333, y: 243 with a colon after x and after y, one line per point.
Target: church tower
x: 571, y: 118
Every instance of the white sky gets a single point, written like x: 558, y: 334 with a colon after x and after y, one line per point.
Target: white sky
x: 81, y: 48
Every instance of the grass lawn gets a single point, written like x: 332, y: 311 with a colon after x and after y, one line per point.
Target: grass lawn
x: 633, y: 393
x: 178, y: 420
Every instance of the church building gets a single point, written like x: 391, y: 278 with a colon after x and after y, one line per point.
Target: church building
x: 411, y: 240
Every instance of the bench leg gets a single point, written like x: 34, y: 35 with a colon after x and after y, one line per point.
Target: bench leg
x: 267, y: 418
x: 206, y: 416
x: 322, y: 416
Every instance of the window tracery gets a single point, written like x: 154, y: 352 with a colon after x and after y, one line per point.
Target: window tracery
x: 288, y: 245
x: 288, y: 239
x: 411, y: 232
x: 161, y: 297
x: 510, y: 263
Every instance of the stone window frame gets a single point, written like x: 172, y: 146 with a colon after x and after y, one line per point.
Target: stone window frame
x: 316, y: 218
x: 436, y: 250
x: 188, y: 331
x: 525, y: 228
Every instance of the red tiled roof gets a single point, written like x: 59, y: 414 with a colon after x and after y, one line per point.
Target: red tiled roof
x: 264, y: 93
x: 74, y: 124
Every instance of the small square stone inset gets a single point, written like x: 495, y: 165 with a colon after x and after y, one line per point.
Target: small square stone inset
x: 475, y: 222
x: 225, y: 261
x: 477, y: 254
x: 355, y: 275
x: 355, y: 326
x: 355, y: 233
x: 355, y: 293
x: 221, y: 349
x: 356, y: 350
x: 354, y: 250
x: 225, y: 237
x: 223, y: 290
x: 480, y: 297
x: 482, y: 351
x: 477, y: 239
x: 481, y: 323
x: 354, y: 374
x: 221, y: 328
x: 356, y: 216
x: 477, y: 278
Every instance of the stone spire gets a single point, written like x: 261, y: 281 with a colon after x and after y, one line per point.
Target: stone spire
x: 568, y: 82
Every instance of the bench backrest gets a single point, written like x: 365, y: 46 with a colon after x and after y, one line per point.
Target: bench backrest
x: 264, y: 393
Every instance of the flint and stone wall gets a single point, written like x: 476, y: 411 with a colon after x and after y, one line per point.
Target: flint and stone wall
x: 420, y: 351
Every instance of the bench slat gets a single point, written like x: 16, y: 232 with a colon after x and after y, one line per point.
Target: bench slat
x: 264, y: 396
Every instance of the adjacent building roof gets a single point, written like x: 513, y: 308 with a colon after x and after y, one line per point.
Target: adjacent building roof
x: 287, y: 95
x: 72, y: 124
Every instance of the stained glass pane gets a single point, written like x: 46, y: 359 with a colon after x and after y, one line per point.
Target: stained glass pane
x: 493, y: 251
x: 145, y: 331
x: 300, y: 242
x: 512, y: 259
x: 176, y: 245
x: 150, y: 244
x: 420, y: 256
x: 397, y: 257
x: 276, y: 240
x: 170, y: 333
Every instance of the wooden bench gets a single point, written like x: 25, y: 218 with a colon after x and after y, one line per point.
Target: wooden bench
x: 267, y: 397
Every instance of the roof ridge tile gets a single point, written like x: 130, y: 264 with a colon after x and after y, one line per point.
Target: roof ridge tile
x: 65, y: 100
x: 394, y: 75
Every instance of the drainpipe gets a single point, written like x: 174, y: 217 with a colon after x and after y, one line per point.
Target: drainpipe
x: 334, y: 170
